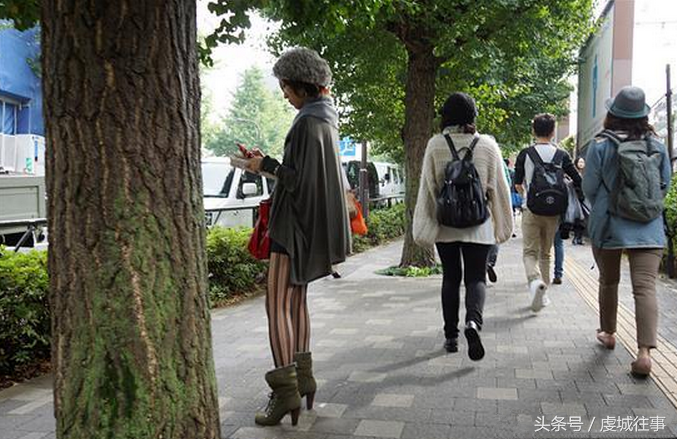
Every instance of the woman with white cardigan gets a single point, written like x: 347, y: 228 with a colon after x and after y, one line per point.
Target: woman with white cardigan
x: 463, y: 251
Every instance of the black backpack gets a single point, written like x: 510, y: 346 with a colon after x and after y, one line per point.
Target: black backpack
x: 548, y: 194
x: 462, y: 202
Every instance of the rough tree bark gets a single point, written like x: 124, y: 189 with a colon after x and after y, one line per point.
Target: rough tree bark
x: 418, y: 120
x: 131, y: 332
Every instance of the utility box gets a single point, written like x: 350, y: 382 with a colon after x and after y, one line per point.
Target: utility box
x: 22, y: 197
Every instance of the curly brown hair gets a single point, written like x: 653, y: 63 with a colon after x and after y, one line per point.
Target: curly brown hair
x: 636, y: 128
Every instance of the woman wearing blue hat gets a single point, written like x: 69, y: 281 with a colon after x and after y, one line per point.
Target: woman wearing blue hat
x: 627, y: 176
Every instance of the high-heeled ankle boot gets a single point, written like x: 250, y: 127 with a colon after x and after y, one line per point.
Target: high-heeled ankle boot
x: 284, y: 397
x: 304, y: 372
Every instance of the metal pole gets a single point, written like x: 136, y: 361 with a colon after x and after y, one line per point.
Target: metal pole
x: 364, y: 181
x: 668, y: 101
x: 671, y: 152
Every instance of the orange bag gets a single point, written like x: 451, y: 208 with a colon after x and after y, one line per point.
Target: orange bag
x: 357, y: 224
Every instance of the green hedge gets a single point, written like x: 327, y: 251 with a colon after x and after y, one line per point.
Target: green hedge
x: 231, y: 268
x: 382, y: 225
x: 24, y: 309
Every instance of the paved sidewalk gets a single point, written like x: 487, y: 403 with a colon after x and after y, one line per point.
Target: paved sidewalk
x: 377, y: 346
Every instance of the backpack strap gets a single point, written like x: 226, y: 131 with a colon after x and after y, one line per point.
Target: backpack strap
x: 535, y: 156
x: 616, y: 140
x: 611, y: 136
x: 472, y: 145
x: 558, y: 158
x: 452, y: 148
x: 470, y: 149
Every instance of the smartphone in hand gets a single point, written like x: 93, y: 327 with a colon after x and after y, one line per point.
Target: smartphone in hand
x: 245, y: 152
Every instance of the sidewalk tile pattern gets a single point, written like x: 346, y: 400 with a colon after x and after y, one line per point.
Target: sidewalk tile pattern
x: 382, y: 372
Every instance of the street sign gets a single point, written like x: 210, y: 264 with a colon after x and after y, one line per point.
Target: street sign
x: 347, y: 147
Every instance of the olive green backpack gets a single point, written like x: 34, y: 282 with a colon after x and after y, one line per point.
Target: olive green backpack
x: 639, y: 190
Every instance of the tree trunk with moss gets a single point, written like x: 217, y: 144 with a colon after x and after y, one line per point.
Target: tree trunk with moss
x: 418, y: 121
x: 131, y: 344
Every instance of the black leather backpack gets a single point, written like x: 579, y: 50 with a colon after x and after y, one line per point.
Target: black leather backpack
x: 461, y: 203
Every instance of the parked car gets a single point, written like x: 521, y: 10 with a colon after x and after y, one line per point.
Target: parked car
x: 383, y: 179
x: 231, y: 194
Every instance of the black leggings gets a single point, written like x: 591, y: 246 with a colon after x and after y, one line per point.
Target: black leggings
x: 474, y: 277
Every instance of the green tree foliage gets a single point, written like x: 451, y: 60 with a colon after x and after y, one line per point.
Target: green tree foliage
x: 396, y: 60
x: 512, y: 55
x: 257, y: 118
x: 208, y: 128
x: 24, y: 13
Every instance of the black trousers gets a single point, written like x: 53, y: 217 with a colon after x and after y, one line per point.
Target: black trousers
x: 467, y: 262
x: 493, y: 255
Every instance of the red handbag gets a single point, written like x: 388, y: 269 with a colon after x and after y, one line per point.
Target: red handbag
x: 259, y: 243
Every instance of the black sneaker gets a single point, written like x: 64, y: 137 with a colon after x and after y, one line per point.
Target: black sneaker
x: 491, y: 274
x: 475, y: 348
x: 451, y: 345
x: 557, y: 281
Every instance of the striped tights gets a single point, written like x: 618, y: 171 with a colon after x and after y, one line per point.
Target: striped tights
x: 287, y: 309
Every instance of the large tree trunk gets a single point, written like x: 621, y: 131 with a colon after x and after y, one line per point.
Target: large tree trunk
x: 418, y: 120
x: 131, y: 332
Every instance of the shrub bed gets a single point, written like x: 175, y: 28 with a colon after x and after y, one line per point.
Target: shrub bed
x: 382, y: 225
x: 24, y: 311
x: 232, y: 270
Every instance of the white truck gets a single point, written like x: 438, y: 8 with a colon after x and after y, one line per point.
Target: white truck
x: 22, y: 188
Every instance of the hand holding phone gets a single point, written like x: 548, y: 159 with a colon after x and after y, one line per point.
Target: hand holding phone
x: 245, y: 152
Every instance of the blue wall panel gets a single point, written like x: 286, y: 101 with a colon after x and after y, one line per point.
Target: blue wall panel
x: 18, y: 81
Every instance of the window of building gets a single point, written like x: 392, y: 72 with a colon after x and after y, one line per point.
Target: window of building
x: 8, y: 117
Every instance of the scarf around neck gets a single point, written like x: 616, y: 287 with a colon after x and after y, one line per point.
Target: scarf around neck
x: 321, y: 108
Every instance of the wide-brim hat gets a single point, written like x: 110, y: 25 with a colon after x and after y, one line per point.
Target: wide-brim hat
x: 629, y: 103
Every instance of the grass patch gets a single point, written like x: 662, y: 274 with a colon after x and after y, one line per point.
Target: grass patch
x: 411, y: 271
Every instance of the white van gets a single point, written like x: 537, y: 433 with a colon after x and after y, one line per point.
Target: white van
x: 231, y: 194
x: 390, y: 179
